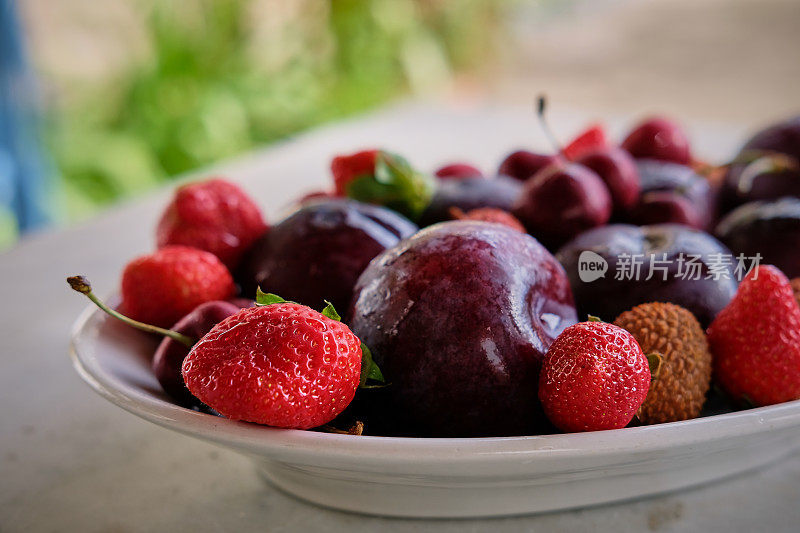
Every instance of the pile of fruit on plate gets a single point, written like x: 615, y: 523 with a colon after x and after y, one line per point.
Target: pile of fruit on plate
x: 461, y: 294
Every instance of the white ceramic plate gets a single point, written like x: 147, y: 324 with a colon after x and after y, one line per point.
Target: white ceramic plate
x: 447, y: 477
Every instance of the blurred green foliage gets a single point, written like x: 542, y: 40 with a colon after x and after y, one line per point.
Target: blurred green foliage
x: 224, y: 76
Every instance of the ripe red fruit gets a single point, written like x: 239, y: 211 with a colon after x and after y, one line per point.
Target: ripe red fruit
x: 162, y: 287
x: 488, y: 214
x: 523, y: 164
x: 618, y: 171
x: 755, y: 340
x: 594, y: 377
x: 346, y: 168
x: 458, y: 171
x: 169, y: 355
x: 561, y: 201
x: 591, y: 139
x: 283, y: 365
x: 659, y: 138
x: 213, y: 215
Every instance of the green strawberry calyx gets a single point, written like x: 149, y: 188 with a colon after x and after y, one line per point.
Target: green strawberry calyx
x: 394, y: 184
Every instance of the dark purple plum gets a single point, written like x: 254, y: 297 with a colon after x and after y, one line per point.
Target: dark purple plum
x: 561, y: 201
x: 458, y: 317
x: 618, y: 171
x: 783, y: 137
x: 523, y: 164
x: 659, y: 138
x: 768, y: 177
x: 680, y: 180
x: 319, y: 250
x: 170, y: 353
x: 468, y: 194
x: 621, y: 245
x: 771, y: 229
x: 659, y: 207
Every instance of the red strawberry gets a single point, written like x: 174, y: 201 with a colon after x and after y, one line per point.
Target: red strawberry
x: 594, y: 377
x: 755, y: 340
x: 383, y: 178
x: 488, y: 214
x: 346, y: 168
x: 592, y: 138
x: 162, y: 287
x: 169, y: 355
x: 458, y: 171
x: 283, y: 365
x: 213, y: 215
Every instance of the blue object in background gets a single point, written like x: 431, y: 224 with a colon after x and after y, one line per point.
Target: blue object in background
x: 25, y: 187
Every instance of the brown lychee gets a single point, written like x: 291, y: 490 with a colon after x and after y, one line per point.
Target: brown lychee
x: 796, y: 289
x: 678, y: 390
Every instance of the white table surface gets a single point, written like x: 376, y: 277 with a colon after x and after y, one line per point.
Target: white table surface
x: 73, y: 462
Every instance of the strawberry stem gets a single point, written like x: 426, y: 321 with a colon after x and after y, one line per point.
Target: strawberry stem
x: 82, y: 285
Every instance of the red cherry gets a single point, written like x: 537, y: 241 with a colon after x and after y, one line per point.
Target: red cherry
x: 659, y: 138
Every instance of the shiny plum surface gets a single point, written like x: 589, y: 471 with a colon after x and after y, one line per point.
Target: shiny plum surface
x: 783, y: 137
x: 672, y: 193
x: 318, y: 251
x: 458, y: 318
x: 766, y: 178
x: 771, y: 229
x: 622, y: 287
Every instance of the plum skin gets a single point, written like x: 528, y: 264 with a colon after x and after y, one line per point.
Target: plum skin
x: 608, y: 297
x: 319, y: 250
x: 771, y: 229
x: 468, y: 194
x: 458, y: 318
x: 783, y: 137
x: 672, y: 193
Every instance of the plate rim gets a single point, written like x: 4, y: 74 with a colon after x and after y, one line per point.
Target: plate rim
x: 299, y: 443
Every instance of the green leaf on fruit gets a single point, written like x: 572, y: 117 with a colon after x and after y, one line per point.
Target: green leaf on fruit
x: 267, y: 298
x: 395, y: 184
x: 369, y: 370
x: 330, y: 312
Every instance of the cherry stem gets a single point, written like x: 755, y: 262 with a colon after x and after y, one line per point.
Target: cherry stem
x: 541, y: 106
x: 82, y: 285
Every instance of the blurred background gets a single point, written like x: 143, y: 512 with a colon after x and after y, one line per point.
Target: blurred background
x: 102, y: 101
